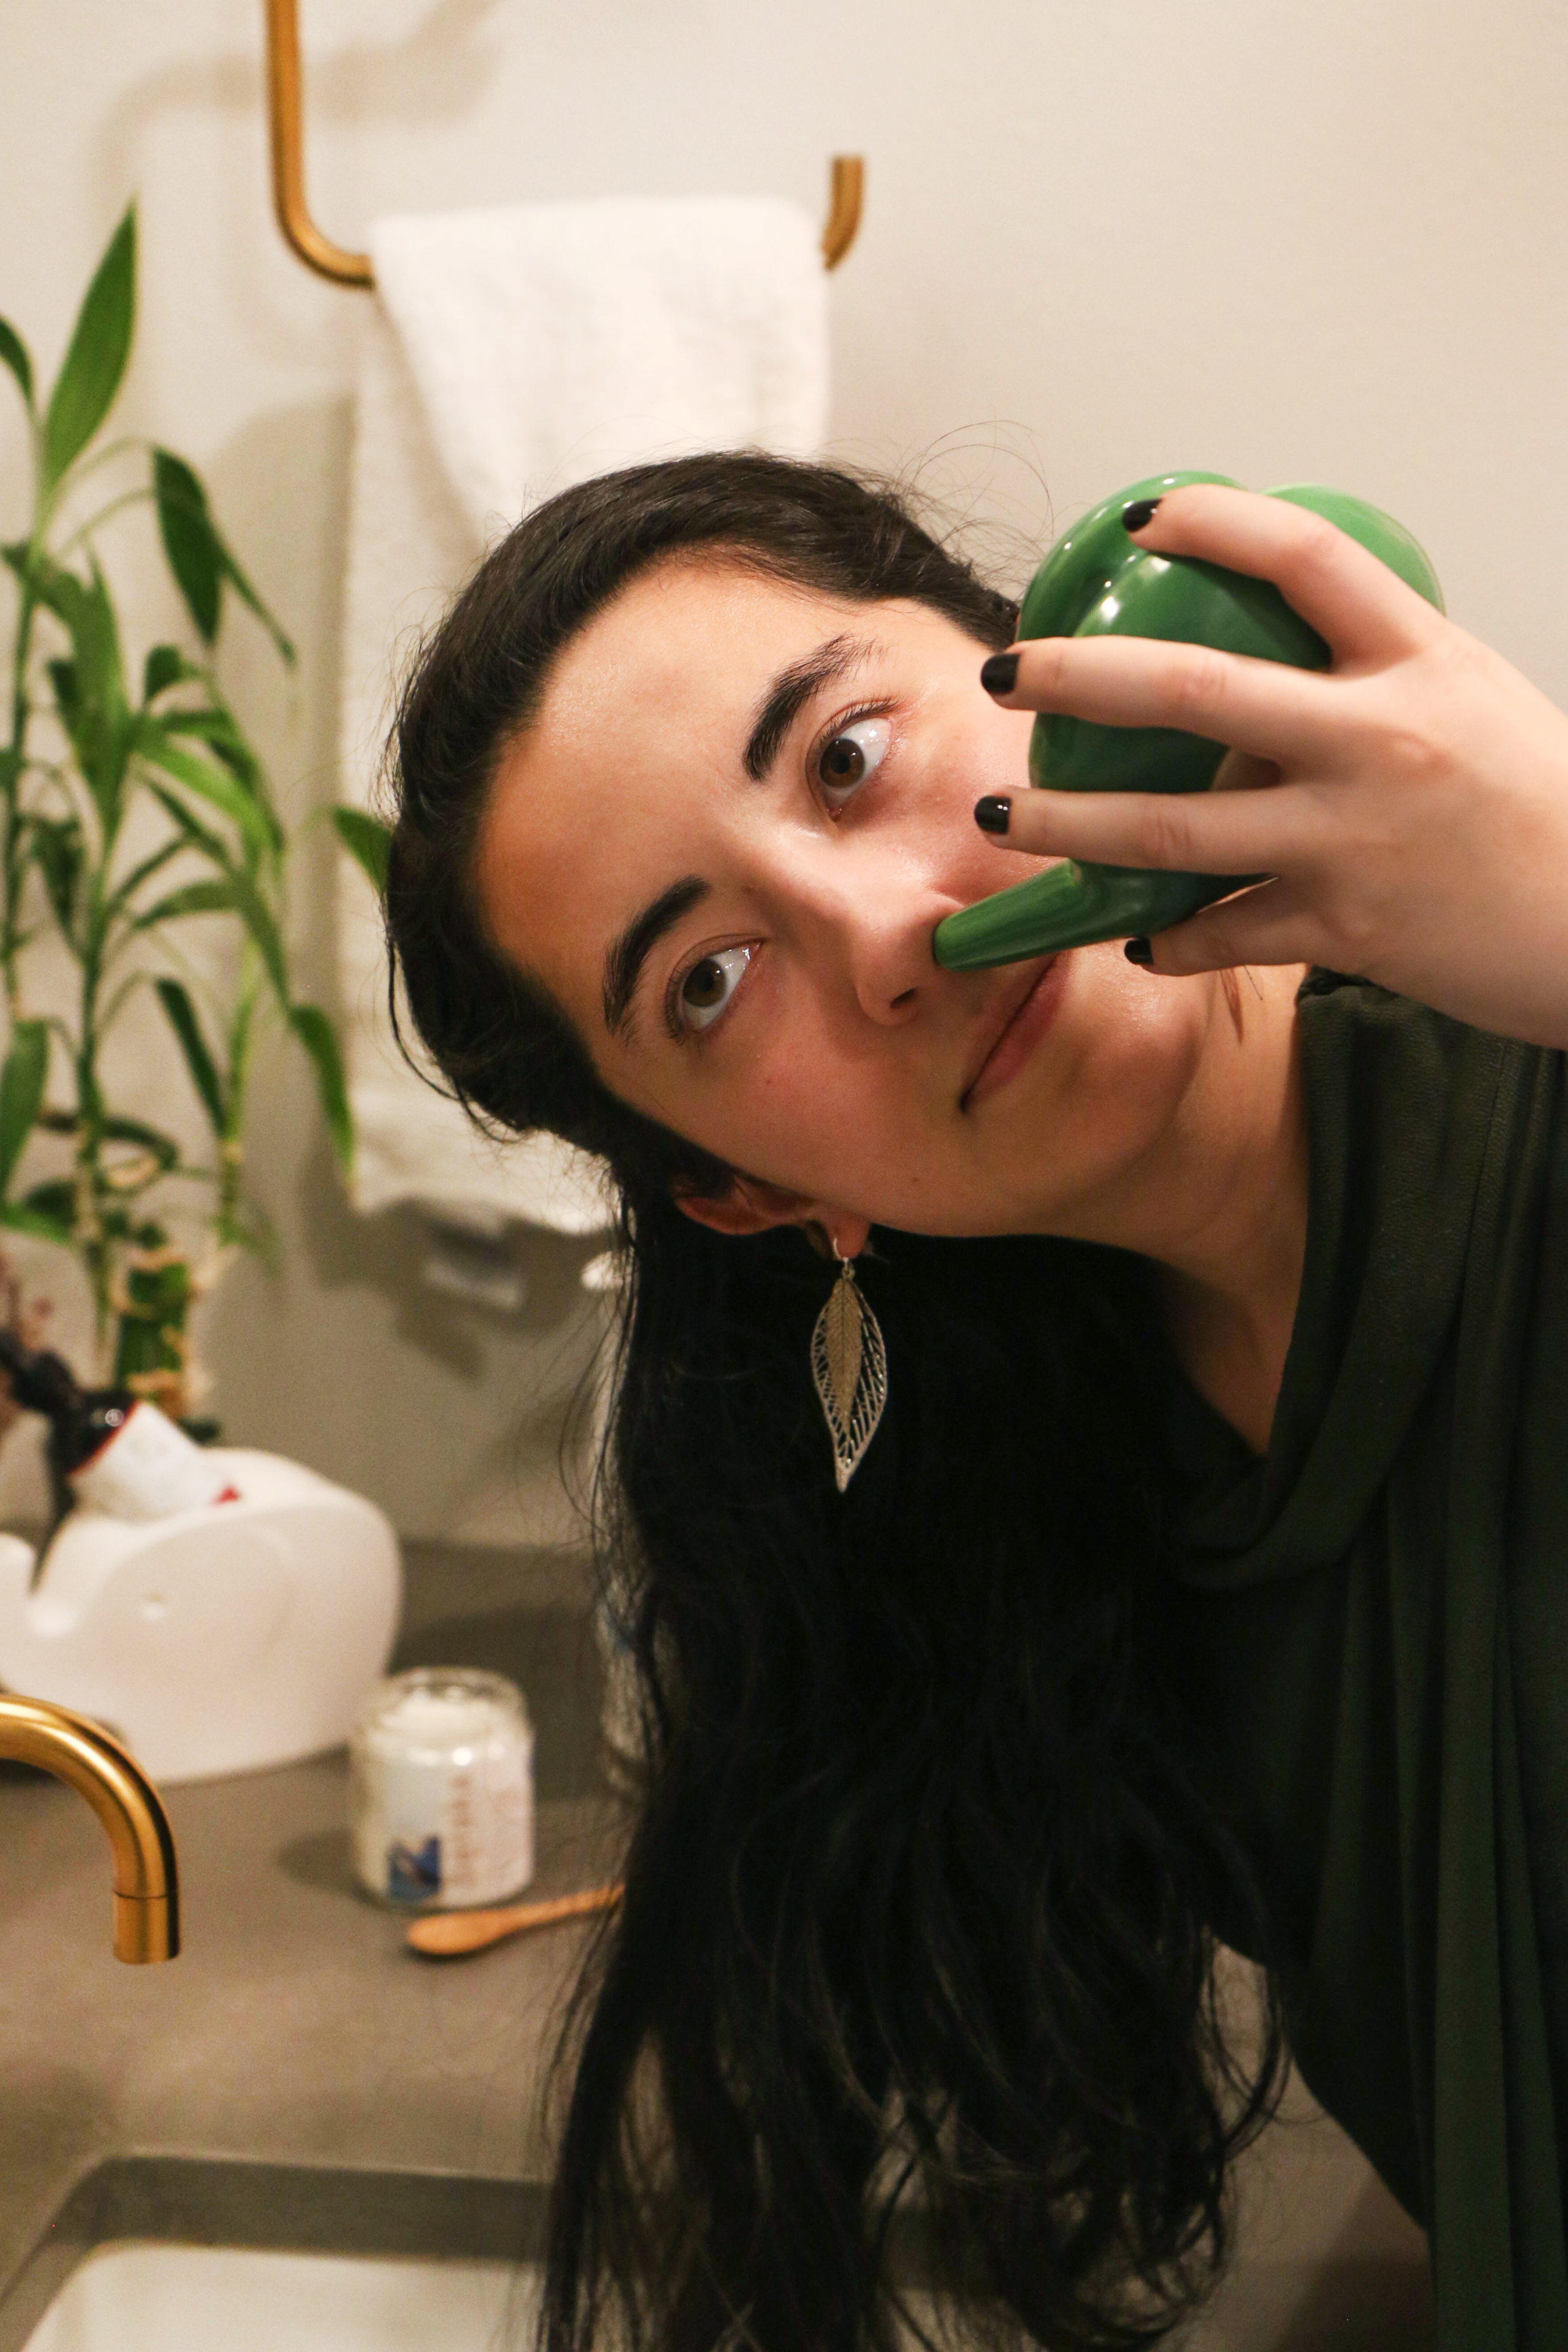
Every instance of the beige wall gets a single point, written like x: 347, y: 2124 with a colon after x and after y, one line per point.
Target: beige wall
x: 1291, y: 241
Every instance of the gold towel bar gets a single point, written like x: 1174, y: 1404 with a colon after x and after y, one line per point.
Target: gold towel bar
x: 329, y: 260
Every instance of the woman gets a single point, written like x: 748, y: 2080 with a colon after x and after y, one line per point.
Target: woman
x: 1197, y: 1582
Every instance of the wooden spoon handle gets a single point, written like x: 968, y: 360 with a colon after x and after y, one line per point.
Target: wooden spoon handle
x: 448, y: 1935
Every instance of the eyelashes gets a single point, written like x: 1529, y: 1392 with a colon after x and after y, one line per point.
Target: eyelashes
x: 849, y: 755
x: 702, y: 994
x: 845, y: 759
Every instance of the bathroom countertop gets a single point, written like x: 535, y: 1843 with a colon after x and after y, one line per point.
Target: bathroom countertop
x: 296, y: 2076
x: 299, y: 2079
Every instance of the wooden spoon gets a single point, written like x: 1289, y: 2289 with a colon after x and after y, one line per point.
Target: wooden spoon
x: 449, y: 1935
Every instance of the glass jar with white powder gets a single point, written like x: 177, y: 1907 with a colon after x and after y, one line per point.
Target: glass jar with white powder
x: 443, y: 1769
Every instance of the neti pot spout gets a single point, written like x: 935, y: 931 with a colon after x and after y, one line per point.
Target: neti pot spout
x: 145, y: 1882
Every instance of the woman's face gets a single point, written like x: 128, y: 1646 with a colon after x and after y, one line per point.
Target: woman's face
x: 724, y: 845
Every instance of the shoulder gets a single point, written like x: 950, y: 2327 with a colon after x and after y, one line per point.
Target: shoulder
x: 1361, y: 1041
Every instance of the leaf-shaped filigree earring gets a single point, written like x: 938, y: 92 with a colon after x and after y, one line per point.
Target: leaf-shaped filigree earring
x: 849, y: 1365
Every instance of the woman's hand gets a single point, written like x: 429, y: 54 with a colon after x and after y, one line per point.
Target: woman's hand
x: 1411, y: 803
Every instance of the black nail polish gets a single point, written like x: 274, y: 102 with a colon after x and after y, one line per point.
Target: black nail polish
x: 998, y: 674
x: 994, y: 813
x: 1141, y: 511
x: 1139, y: 951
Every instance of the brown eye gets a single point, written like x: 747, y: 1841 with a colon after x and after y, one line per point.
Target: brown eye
x: 852, y: 754
x: 709, y: 985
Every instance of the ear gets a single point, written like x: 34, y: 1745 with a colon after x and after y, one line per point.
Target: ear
x: 750, y: 1206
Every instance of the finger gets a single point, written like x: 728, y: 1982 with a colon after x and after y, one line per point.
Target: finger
x: 1283, y: 830
x: 1363, y: 610
x: 1270, y: 925
x: 1269, y: 708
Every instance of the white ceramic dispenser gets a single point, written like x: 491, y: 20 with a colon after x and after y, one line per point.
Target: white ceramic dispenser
x: 225, y: 1639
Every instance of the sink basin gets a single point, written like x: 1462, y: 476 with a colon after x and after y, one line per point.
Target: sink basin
x: 147, y: 2297
x: 166, y: 2254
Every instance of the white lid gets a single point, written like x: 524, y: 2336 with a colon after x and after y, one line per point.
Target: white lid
x: 438, y: 1708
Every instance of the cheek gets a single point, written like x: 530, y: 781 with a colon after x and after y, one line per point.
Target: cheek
x: 802, y: 1109
x: 1129, y: 1046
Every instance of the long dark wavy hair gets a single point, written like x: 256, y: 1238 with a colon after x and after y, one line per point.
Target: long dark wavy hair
x: 921, y: 1898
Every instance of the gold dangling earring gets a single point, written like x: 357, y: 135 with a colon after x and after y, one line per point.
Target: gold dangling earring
x: 849, y: 1365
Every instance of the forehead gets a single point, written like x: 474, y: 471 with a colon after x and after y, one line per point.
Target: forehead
x: 684, y: 646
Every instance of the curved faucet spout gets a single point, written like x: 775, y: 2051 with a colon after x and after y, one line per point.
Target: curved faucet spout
x: 146, y: 1887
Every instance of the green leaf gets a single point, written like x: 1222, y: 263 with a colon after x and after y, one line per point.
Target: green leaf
x: 176, y: 1003
x: 219, y: 730
x: 92, y: 690
x: 56, y: 1200
x: 259, y: 921
x: 165, y: 666
x: 88, y: 611
x: 14, y: 352
x: 194, y: 836
x: 218, y: 786
x: 319, y: 1039
x: 57, y: 849
x: 199, y: 556
x: 237, y: 893
x: 144, y: 870
x: 189, y: 543
x: 95, y: 362
x: 367, y: 840
x: 196, y: 898
x: 28, y: 1220
x: 22, y: 1081
x: 164, y: 1148
x: 65, y: 680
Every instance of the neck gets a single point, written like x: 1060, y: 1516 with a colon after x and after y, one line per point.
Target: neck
x: 1225, y: 1223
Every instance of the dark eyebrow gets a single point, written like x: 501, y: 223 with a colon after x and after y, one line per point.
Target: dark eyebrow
x: 626, y: 956
x: 790, y: 693
x: 786, y: 698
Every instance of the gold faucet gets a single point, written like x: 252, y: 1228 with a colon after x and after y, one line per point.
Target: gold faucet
x: 146, y: 1889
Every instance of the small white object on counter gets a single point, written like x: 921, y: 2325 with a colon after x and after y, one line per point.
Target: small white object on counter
x: 443, y: 1761
x: 228, y: 1638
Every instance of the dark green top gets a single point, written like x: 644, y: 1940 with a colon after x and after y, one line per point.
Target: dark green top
x: 1375, y: 1623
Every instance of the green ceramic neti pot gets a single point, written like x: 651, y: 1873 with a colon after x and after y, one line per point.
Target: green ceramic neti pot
x: 1097, y: 581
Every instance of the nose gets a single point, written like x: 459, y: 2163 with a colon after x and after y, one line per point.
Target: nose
x: 891, y: 968
x: 869, y: 921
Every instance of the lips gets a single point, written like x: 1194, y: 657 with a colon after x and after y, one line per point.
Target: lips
x: 1003, y: 1041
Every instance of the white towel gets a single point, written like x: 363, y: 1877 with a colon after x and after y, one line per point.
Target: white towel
x: 511, y: 353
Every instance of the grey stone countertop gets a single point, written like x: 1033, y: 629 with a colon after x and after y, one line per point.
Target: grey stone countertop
x: 297, y: 2077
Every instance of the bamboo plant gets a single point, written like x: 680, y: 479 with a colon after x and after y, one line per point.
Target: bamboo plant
x: 133, y: 809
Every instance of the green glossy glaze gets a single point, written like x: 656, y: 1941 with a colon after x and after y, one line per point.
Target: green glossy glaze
x: 1099, y: 583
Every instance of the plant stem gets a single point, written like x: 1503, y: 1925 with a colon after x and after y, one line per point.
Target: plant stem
x: 11, y: 815
x: 91, y: 1189
x: 83, y: 532
x: 231, y: 1145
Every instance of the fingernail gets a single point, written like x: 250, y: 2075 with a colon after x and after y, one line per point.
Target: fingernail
x: 1139, y: 951
x: 1133, y: 517
x: 993, y: 814
x: 998, y: 674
